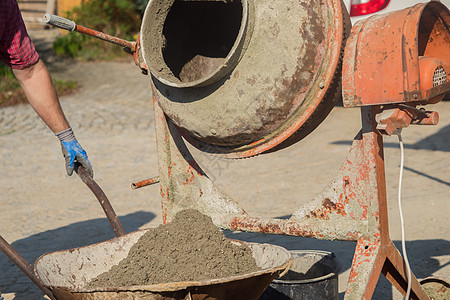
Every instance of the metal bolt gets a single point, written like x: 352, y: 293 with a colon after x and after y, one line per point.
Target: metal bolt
x: 321, y: 85
x: 213, y: 131
x: 415, y: 96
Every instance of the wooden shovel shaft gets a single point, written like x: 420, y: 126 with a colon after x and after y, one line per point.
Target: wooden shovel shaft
x: 101, y: 197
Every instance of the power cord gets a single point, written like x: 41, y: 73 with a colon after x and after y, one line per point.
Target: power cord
x: 405, y: 257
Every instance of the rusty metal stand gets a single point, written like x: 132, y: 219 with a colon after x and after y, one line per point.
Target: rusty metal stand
x: 375, y: 252
x: 353, y: 207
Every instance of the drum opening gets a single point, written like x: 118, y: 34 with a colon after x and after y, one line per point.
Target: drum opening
x: 199, y: 35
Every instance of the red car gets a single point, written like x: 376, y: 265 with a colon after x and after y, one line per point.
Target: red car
x: 361, y: 9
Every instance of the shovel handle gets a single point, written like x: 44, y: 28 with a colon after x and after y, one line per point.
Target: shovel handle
x: 60, y: 22
x: 101, y: 197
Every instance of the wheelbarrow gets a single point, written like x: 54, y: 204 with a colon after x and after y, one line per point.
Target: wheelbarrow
x: 65, y: 273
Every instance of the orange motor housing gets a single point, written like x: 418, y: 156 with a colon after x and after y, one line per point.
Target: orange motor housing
x: 399, y: 57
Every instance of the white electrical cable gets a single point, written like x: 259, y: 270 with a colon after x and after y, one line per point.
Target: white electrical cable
x: 405, y: 257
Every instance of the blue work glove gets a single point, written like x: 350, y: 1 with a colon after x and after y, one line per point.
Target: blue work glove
x: 73, y: 151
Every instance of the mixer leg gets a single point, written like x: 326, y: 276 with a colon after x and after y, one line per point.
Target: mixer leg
x: 395, y: 271
x: 366, y: 268
x: 370, y: 260
x: 375, y: 253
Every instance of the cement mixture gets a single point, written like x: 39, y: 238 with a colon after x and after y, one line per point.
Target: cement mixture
x: 190, y: 248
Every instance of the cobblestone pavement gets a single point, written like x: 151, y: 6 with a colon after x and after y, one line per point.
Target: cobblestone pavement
x: 44, y: 210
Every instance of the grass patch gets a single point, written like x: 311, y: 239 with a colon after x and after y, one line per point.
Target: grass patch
x: 11, y: 92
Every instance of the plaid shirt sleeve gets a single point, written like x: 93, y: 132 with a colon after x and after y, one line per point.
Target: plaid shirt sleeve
x: 16, y: 48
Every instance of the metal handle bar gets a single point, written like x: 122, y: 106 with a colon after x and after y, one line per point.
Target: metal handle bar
x: 70, y: 25
x: 146, y: 182
x: 60, y: 22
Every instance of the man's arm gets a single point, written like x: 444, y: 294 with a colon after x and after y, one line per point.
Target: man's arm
x: 18, y: 52
x: 40, y: 91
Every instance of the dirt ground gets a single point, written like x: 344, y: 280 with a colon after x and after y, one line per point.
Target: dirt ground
x: 44, y: 210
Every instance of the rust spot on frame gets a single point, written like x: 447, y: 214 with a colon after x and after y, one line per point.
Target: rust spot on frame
x: 328, y: 207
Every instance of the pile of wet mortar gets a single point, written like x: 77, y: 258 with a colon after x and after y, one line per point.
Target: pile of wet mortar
x: 190, y: 248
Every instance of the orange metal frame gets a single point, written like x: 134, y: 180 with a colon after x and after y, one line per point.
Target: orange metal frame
x: 356, y: 198
x: 353, y: 207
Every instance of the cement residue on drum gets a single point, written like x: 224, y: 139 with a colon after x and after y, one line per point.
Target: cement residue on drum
x: 190, y: 248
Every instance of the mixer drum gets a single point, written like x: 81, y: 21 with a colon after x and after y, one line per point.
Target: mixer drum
x: 241, y: 77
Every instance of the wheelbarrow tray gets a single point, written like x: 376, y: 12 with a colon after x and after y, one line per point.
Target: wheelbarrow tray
x: 66, y: 273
